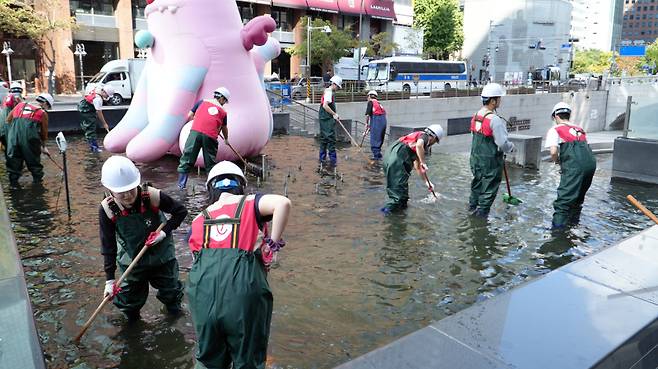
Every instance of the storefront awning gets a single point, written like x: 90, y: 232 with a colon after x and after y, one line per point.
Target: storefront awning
x: 350, y: 6
x: 330, y: 6
x: 266, y: 2
x: 382, y: 9
x: 301, y: 4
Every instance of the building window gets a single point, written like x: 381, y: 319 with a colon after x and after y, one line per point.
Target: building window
x: 246, y: 13
x: 138, y: 8
x: 349, y: 24
x: 283, y: 18
x: 100, y: 7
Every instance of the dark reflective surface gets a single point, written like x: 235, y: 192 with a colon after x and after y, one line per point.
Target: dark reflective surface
x: 349, y: 280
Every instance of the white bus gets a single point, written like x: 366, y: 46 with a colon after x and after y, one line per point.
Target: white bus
x: 411, y: 74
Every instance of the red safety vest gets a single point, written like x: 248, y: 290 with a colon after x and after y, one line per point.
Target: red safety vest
x: 90, y: 97
x: 484, y: 128
x: 29, y: 112
x: 411, y: 139
x: 569, y: 133
x: 208, y: 119
x: 377, y: 108
x: 10, y: 101
x: 229, y: 226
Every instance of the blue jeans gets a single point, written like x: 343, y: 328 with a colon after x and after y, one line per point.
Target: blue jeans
x: 377, y: 132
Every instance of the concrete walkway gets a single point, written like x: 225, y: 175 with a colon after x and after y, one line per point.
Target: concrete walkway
x: 599, y: 142
x: 19, y: 342
x: 598, y: 312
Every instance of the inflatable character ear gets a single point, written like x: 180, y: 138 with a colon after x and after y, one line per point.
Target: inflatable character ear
x: 255, y: 32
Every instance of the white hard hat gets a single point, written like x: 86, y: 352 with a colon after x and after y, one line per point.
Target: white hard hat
x: 372, y: 92
x: 560, y: 108
x: 109, y: 90
x: 223, y: 91
x: 436, y: 130
x: 47, y: 98
x: 337, y: 80
x: 15, y: 87
x: 225, y: 168
x: 119, y: 174
x: 493, y: 90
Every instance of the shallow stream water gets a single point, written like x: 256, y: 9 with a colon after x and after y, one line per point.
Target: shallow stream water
x: 349, y: 280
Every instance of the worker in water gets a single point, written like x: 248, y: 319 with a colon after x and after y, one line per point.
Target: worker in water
x: 406, y: 153
x: 91, y: 112
x: 328, y: 118
x: 490, y: 142
x: 376, y: 122
x: 129, y: 218
x: 8, y: 103
x: 27, y: 134
x: 568, y: 145
x: 230, y: 298
x: 210, y: 119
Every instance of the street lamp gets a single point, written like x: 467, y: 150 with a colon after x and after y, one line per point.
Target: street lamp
x: 6, y: 49
x: 325, y: 29
x: 80, y: 52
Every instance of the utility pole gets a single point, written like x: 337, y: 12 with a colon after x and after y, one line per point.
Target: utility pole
x: 358, y: 62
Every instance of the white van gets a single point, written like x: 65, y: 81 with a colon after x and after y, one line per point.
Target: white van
x: 123, y: 75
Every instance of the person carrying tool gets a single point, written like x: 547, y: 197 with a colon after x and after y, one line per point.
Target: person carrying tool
x: 27, y: 133
x: 128, y: 217
x: 328, y: 118
x: 90, y: 109
x: 407, y: 152
x: 8, y: 103
x: 376, y: 122
x: 489, y: 143
x: 568, y: 145
x: 210, y: 119
x: 230, y: 298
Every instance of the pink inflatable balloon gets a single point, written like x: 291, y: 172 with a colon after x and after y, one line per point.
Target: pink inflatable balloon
x: 193, y: 54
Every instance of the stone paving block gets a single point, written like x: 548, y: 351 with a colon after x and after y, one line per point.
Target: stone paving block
x: 631, y: 267
x: 19, y: 344
x: 558, y: 321
x: 426, y: 348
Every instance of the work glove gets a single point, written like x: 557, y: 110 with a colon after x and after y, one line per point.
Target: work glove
x: 430, y: 185
x: 336, y: 117
x: 513, y: 149
x: 111, y: 288
x: 155, y: 237
x: 269, y: 249
x: 423, y: 168
x: 44, y: 150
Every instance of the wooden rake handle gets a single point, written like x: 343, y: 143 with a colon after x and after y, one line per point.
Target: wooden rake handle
x: 639, y: 205
x: 109, y: 298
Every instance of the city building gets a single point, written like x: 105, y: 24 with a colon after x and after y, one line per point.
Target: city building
x: 592, y: 23
x: 106, y: 29
x: 640, y: 21
x: 408, y: 39
x: 506, y: 42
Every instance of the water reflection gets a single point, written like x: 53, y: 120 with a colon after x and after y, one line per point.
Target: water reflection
x: 153, y: 345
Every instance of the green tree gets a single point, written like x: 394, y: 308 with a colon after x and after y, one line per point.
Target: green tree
x: 326, y: 48
x: 380, y: 45
x: 651, y: 57
x: 591, y: 61
x: 443, y: 26
x: 21, y: 19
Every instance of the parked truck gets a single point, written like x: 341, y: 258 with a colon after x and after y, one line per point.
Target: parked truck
x: 122, y: 74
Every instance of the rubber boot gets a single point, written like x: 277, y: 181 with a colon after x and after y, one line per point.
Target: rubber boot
x: 323, y: 155
x: 182, y: 180
x: 332, y: 158
x: 93, y: 146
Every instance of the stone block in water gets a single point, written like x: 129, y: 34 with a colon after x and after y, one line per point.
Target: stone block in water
x: 634, y: 159
x: 528, y: 151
